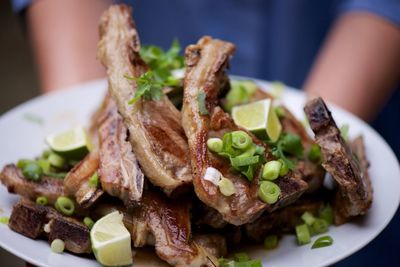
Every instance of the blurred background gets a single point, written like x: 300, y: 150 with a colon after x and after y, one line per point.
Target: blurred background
x: 18, y: 79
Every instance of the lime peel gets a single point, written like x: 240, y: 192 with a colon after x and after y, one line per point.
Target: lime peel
x: 258, y: 117
x: 111, y: 241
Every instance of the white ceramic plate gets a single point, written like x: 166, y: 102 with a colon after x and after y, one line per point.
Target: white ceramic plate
x: 20, y: 137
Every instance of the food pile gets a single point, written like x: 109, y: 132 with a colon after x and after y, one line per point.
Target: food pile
x: 181, y: 158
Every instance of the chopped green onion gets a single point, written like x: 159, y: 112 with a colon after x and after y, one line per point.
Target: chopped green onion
x: 32, y: 171
x: 244, y: 161
x: 65, y: 205
x: 56, y: 160
x: 280, y: 112
x: 94, y: 180
x: 4, y: 220
x: 22, y: 163
x: 323, y: 241
x: 201, y: 99
x: 57, y: 246
x: 284, y: 168
x: 269, y: 192
x: 308, y: 218
x: 344, y: 131
x: 303, y: 234
x: 241, y: 257
x: 320, y: 226
x: 271, y: 170
x: 249, y: 152
x: 241, y: 140
x: 88, y: 222
x: 271, y: 242
x: 249, y: 173
x: 215, y: 144
x: 42, y: 201
x: 227, y: 148
x: 315, y: 154
x: 326, y: 213
x: 226, y: 187
x: 45, y: 165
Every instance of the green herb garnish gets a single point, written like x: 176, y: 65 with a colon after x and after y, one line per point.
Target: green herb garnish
x: 148, y: 87
x: 201, y: 99
x: 4, y: 220
x: 288, y: 144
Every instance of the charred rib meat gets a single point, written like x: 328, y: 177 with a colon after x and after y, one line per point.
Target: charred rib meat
x: 119, y: 171
x: 354, y: 195
x: 155, y: 131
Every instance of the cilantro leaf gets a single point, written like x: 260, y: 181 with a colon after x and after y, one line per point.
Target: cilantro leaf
x: 148, y: 87
x: 288, y: 144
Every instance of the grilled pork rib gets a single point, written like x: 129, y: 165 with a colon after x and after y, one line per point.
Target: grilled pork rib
x: 205, y: 74
x: 49, y: 187
x: 166, y: 223
x: 354, y: 195
x: 76, y: 183
x: 155, y: 131
x: 119, y: 171
x: 29, y: 219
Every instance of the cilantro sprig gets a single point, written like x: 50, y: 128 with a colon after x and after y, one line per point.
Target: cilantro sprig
x: 286, y: 146
x: 148, y: 87
x: 161, y: 64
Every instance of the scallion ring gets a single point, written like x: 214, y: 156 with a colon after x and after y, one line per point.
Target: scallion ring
x: 323, y: 241
x: 271, y: 242
x: 215, y: 145
x: 241, y: 140
x: 303, y: 234
x: 65, y: 205
x: 57, y: 246
x: 88, y: 222
x: 271, y: 170
x: 42, y: 201
x: 269, y: 192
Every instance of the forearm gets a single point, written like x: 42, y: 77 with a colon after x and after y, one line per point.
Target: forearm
x: 359, y: 65
x: 64, y: 37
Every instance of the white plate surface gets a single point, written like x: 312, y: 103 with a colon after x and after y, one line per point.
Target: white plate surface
x: 22, y: 138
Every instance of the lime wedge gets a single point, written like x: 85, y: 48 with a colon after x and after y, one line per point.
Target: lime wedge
x: 72, y: 144
x: 111, y: 241
x: 258, y: 117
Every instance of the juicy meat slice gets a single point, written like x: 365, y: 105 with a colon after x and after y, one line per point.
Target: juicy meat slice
x: 283, y: 220
x: 205, y: 74
x: 76, y: 183
x: 155, y: 131
x: 49, y: 187
x: 165, y: 223
x: 215, y: 244
x: 119, y: 171
x: 75, y: 234
x: 354, y: 195
x: 29, y: 219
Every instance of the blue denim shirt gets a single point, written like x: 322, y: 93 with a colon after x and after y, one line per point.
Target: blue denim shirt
x: 276, y: 40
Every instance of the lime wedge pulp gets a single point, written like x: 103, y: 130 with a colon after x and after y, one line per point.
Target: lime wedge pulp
x: 111, y: 241
x: 258, y: 117
x: 72, y: 144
